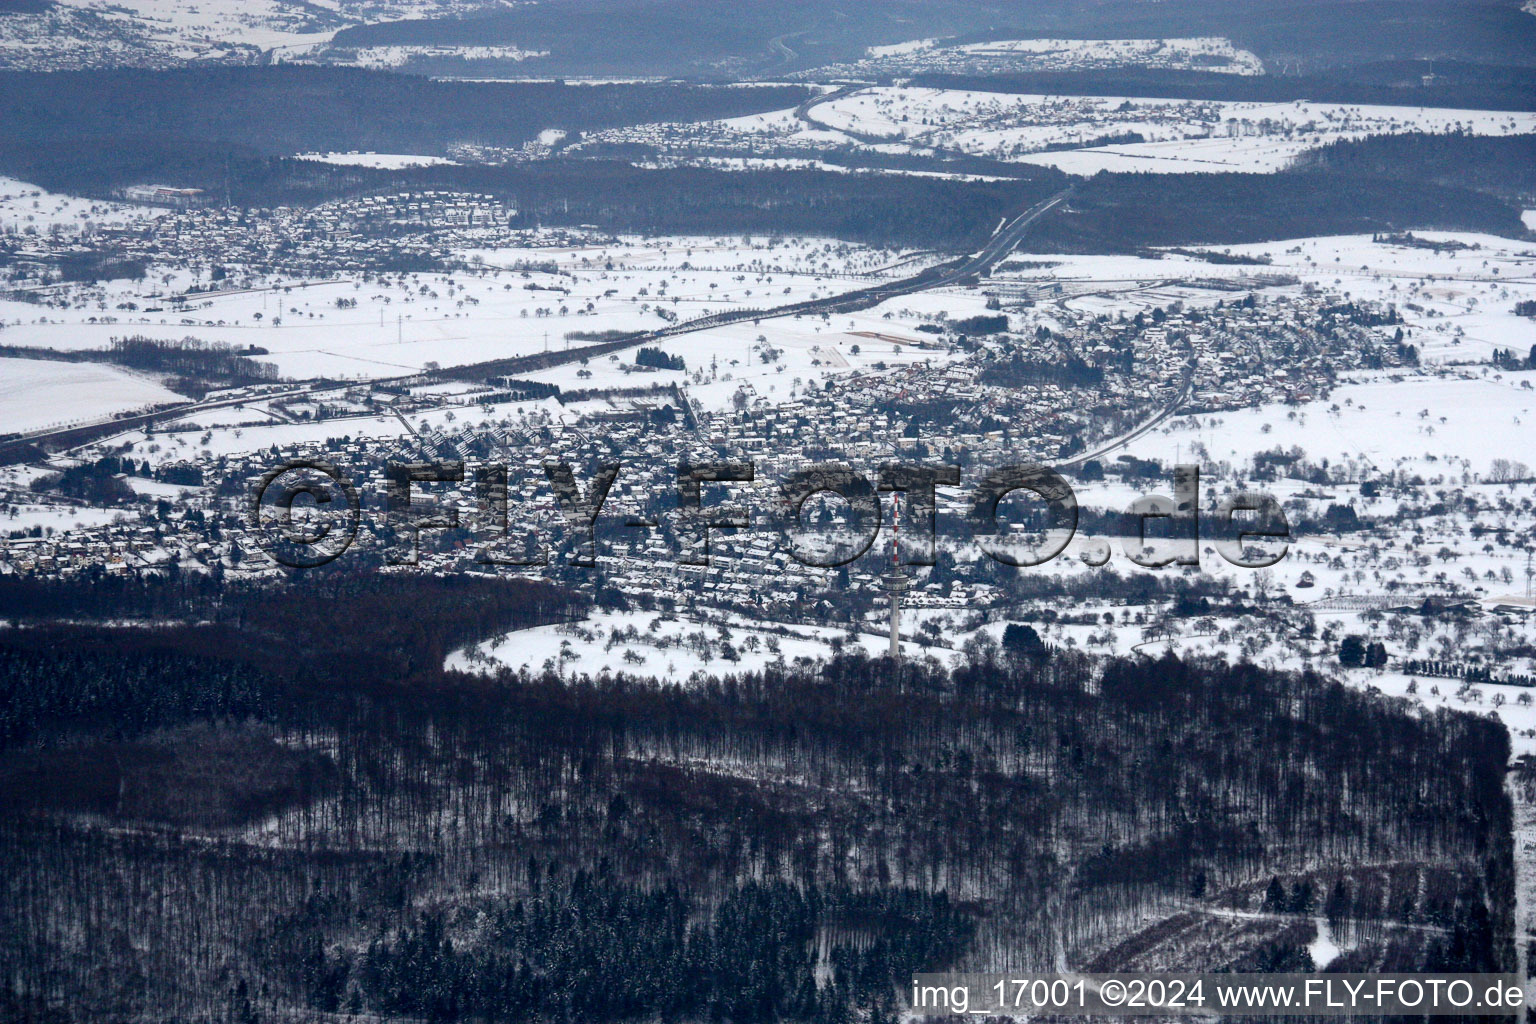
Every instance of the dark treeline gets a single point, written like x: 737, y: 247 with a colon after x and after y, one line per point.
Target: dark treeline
x: 199, y: 365
x: 1505, y: 165
x: 1470, y: 673
x: 863, y: 159
x: 106, y: 137
x: 381, y: 628
x: 656, y: 359
x: 1111, y: 212
x: 269, y: 651
x: 199, y: 775
x: 786, y: 844
x: 214, y: 363
x: 278, y: 110
x: 183, y: 473
x: 878, y: 209
x: 1020, y: 371
x: 76, y: 682
x: 92, y: 267
x: 1108, y: 212
x: 95, y: 483
x: 33, y: 600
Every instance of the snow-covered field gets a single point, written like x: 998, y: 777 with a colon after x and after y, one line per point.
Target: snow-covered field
x: 901, y: 49
x: 162, y: 33
x: 39, y: 393
x: 1457, y: 302
x: 1079, y: 134
x: 1426, y: 423
x: 1249, y: 154
x: 23, y: 517
x: 1211, y: 53
x: 669, y: 647
x: 155, y: 33
x: 25, y: 207
x: 263, y: 23
x: 401, y: 56
x: 163, y: 447
x: 725, y: 360
x: 451, y: 319
x: 1178, y: 134
x: 385, y: 161
x: 919, y: 56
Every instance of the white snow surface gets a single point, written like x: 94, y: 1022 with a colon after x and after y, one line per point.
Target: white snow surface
x: 1111, y: 52
x: 1180, y: 134
x: 24, y: 207
x: 36, y: 394
x: 419, y: 319
x: 672, y: 648
x: 385, y: 161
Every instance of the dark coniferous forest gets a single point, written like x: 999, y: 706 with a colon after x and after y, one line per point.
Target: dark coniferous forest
x: 280, y: 110
x: 292, y: 808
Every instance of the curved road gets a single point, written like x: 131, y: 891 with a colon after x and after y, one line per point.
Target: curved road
x: 1124, y: 439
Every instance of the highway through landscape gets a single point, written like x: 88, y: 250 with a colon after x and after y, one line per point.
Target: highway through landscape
x: 998, y: 247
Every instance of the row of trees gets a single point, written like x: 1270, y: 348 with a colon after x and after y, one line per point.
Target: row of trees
x: 659, y: 360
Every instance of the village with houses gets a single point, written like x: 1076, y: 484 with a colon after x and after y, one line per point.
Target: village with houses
x: 1113, y: 369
